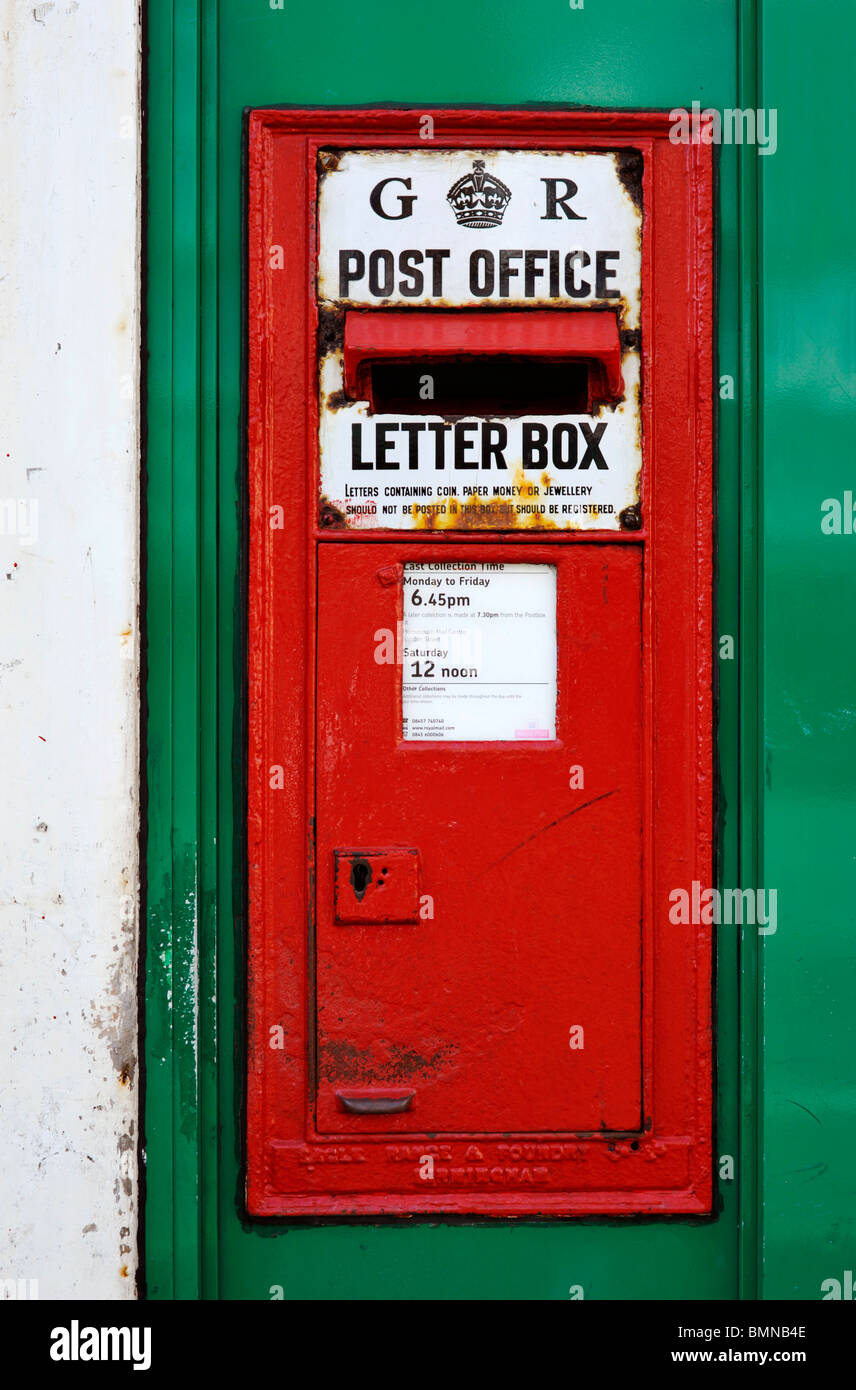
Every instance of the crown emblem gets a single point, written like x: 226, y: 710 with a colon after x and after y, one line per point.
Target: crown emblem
x: 479, y: 199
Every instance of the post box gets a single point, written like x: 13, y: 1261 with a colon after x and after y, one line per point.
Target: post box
x: 479, y: 761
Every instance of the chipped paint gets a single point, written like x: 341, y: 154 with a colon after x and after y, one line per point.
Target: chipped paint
x: 384, y: 1064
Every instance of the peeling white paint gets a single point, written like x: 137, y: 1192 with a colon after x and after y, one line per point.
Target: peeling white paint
x: 69, y: 647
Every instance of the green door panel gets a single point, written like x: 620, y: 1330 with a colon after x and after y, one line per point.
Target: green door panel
x: 782, y: 588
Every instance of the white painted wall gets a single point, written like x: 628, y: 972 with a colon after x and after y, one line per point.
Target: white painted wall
x: 69, y: 485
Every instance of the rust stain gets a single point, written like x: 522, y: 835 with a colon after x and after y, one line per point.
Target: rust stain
x: 330, y: 334
x: 330, y: 515
x: 630, y: 165
x: 620, y: 306
x: 468, y: 514
x: 492, y: 513
x: 329, y: 161
x: 343, y: 1062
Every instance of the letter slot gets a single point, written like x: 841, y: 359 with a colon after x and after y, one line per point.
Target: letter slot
x: 510, y: 362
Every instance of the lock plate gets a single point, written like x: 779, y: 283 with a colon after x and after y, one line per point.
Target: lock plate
x: 376, y: 885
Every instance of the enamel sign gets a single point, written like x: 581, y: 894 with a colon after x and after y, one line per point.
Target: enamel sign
x: 486, y: 231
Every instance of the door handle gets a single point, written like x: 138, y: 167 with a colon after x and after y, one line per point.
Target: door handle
x: 374, y: 1104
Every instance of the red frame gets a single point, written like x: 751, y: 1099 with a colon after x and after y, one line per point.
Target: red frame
x: 667, y: 1167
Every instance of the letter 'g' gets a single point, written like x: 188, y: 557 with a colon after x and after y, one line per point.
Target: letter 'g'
x: 405, y: 203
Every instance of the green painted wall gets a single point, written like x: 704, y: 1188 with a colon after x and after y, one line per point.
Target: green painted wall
x: 808, y: 337
x: 206, y: 62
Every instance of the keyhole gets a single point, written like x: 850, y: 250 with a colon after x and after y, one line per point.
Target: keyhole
x: 361, y: 877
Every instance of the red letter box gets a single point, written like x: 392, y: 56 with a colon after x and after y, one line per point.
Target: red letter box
x: 479, y: 664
